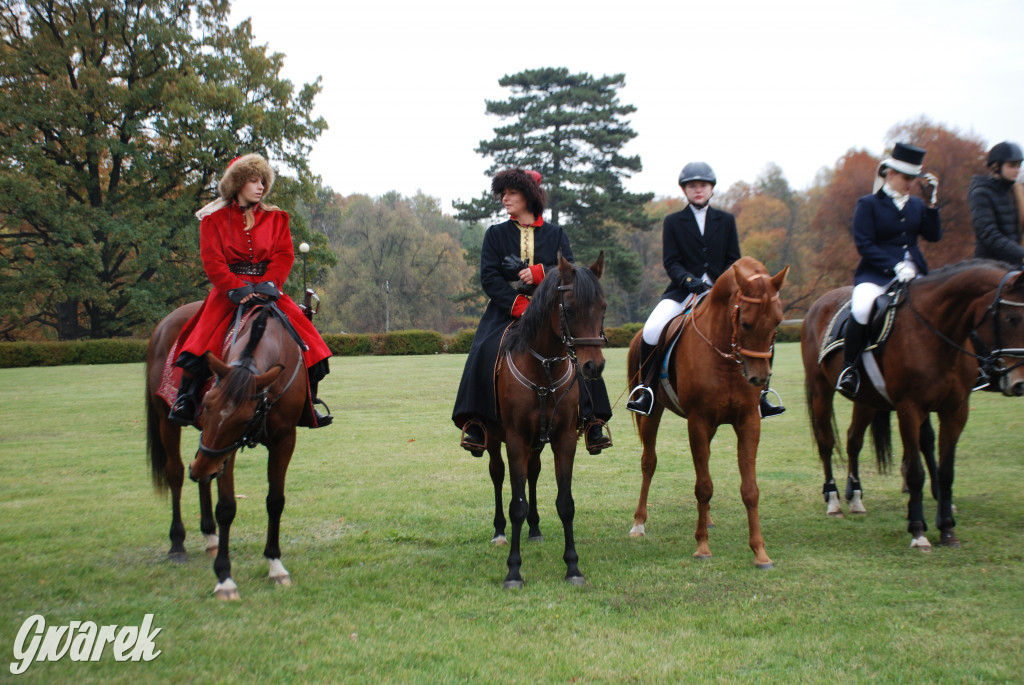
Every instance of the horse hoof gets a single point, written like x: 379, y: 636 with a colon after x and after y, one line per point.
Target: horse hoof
x: 226, y: 591
x: 512, y: 584
x: 921, y: 543
x: 535, y: 538
x: 212, y: 545
x: 637, y: 531
x: 576, y: 581
x: 177, y: 557
x: 702, y: 557
x: 766, y: 566
x: 283, y: 581
x: 499, y: 541
x: 949, y: 540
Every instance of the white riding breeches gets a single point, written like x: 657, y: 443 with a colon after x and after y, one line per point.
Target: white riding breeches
x: 864, y: 295
x: 664, y: 311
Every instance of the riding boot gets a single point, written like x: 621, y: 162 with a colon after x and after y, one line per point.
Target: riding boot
x: 474, y: 437
x: 641, y: 398
x: 183, y: 411
x: 856, y: 339
x: 764, y: 407
x: 594, y: 438
x: 321, y: 419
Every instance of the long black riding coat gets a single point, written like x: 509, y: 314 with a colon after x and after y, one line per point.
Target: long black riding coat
x: 476, y: 390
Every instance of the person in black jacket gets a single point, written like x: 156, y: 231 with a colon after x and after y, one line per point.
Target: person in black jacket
x: 994, y: 210
x: 514, y: 258
x: 698, y: 244
x: 886, y: 226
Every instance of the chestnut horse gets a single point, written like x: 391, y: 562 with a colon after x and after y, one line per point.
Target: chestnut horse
x: 718, y: 366
x: 947, y: 325
x: 245, y: 407
x: 543, y: 358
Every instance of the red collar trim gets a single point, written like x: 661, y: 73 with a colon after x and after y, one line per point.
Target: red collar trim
x: 535, y: 224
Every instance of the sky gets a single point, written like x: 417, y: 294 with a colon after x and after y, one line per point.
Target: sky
x: 735, y: 83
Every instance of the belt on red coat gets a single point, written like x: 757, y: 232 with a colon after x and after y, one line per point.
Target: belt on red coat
x: 248, y: 268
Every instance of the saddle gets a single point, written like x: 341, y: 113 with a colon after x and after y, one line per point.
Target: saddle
x: 667, y: 346
x: 883, y: 314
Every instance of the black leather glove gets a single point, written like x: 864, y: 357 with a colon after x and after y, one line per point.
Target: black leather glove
x: 236, y: 295
x: 696, y: 286
x: 511, y: 266
x: 267, y: 290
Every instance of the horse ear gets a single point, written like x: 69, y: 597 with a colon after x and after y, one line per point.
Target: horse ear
x: 564, y: 268
x: 741, y: 270
x: 598, y: 266
x: 779, y: 278
x: 268, y: 376
x: 216, y: 365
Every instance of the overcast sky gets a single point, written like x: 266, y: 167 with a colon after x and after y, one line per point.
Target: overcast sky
x: 735, y: 83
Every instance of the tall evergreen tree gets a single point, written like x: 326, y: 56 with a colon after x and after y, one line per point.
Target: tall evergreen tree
x: 571, y: 128
x: 116, y: 118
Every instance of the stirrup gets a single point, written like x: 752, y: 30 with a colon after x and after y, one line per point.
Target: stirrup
x: 765, y: 408
x: 638, y: 406
x: 476, y: 449
x: 604, y: 442
x: 848, y: 372
x: 322, y: 419
x: 183, y: 411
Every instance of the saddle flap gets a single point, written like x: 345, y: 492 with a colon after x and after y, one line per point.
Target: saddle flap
x: 883, y: 314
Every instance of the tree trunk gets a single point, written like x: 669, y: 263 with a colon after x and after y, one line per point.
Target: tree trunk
x: 67, y: 320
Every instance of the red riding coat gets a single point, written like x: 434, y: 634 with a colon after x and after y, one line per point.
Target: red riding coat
x: 223, y: 240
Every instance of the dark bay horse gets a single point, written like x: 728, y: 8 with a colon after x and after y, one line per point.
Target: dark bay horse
x: 717, y: 369
x: 949, y: 324
x: 245, y: 407
x: 542, y: 361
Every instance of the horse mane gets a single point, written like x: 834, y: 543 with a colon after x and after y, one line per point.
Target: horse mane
x: 240, y: 383
x: 950, y: 270
x: 586, y: 291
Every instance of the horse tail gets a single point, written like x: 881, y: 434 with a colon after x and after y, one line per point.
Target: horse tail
x: 881, y: 436
x: 154, y: 445
x: 827, y: 434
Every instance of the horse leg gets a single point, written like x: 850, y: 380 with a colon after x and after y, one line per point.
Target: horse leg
x: 174, y: 473
x: 862, y: 416
x: 648, y: 429
x: 517, y: 507
x: 497, y: 470
x: 748, y: 435
x: 280, y: 455
x: 910, y: 419
x: 820, y: 396
x: 928, y: 450
x: 701, y: 432
x: 566, y: 507
x: 950, y: 428
x: 207, y: 523
x: 225, y: 513
x: 532, y: 517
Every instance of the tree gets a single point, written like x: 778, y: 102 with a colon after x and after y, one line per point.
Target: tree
x: 399, y: 267
x: 115, y: 120
x: 571, y: 128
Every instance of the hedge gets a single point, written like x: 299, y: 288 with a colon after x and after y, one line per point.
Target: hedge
x: 131, y: 350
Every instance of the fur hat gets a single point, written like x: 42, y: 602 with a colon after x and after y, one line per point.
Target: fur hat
x: 240, y: 170
x: 527, y: 182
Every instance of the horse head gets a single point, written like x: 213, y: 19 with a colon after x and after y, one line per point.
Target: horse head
x: 579, y: 316
x: 757, y: 313
x: 1005, y: 347
x: 232, y: 413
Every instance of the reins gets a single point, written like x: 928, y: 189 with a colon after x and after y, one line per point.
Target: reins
x: 737, y: 351
x: 571, y: 370
x: 256, y: 430
x: 988, y: 359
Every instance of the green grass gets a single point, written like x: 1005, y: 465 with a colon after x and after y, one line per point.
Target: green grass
x: 386, y: 532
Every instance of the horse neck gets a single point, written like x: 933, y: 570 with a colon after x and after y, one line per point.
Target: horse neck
x: 715, y: 317
x: 955, y: 304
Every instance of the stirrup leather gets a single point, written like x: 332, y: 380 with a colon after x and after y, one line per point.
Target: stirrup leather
x: 644, y: 392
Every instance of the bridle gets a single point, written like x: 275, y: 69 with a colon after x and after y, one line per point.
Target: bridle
x: 572, y: 372
x: 989, y: 359
x: 736, y: 350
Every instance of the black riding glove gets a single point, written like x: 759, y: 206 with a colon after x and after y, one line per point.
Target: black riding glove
x: 696, y: 286
x: 511, y: 266
x: 236, y: 295
x: 267, y: 290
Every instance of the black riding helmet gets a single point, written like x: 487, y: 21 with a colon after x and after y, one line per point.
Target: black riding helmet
x: 697, y: 171
x: 1004, y: 152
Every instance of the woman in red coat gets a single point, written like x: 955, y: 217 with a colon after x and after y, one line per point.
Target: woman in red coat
x: 246, y: 248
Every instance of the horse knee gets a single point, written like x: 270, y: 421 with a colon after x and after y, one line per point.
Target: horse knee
x: 275, y: 506
x: 517, y: 510
x: 225, y: 512
x: 566, y: 507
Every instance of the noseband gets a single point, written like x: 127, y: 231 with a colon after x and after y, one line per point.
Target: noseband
x: 567, y: 339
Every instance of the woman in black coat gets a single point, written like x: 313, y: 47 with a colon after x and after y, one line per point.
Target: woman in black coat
x: 514, y: 258
x: 994, y: 210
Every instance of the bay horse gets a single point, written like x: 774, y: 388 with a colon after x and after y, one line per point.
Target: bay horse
x: 245, y: 407
x: 718, y: 366
x: 947, y: 325
x: 542, y: 360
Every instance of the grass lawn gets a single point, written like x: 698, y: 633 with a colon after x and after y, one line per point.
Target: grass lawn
x: 386, y: 534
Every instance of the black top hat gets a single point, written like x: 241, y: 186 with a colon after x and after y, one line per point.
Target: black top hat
x: 905, y: 159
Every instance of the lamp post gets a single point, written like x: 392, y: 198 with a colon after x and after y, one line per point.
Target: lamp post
x: 307, y: 299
